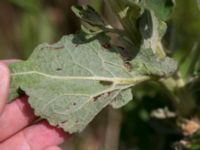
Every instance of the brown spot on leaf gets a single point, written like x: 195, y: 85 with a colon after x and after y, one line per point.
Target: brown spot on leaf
x: 106, y: 45
x: 128, y: 66
x: 53, y: 47
x: 96, y: 98
x: 106, y: 82
x: 58, y: 69
x: 58, y: 48
x: 101, y: 95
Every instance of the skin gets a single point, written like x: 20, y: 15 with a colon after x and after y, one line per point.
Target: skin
x: 17, y: 128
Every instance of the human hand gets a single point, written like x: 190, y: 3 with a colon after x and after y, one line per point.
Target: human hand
x: 17, y: 131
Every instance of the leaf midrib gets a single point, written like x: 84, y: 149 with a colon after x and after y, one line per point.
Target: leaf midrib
x: 115, y: 80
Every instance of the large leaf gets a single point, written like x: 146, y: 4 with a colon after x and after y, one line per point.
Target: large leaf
x: 69, y: 83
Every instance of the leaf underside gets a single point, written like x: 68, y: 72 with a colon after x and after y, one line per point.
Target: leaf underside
x: 70, y: 83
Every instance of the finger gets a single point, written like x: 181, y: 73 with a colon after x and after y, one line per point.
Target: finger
x: 37, y: 137
x: 4, y: 81
x: 10, y: 61
x: 15, y: 117
x: 53, y: 148
x: 4, y: 85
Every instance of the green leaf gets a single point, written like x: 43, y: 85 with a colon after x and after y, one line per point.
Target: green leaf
x: 88, y: 14
x: 69, y: 83
x: 152, y: 30
x: 128, y: 12
x: 122, y: 99
x: 161, y: 8
x: 93, y: 24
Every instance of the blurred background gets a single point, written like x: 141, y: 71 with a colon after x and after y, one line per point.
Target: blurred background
x: 26, y: 23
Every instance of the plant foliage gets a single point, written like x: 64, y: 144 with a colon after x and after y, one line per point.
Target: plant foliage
x: 70, y: 82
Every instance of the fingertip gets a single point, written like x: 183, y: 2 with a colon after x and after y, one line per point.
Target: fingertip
x: 10, y: 61
x: 4, y: 71
x: 15, y: 116
x: 46, y: 134
x: 60, y: 132
x: 4, y: 85
x: 40, y: 136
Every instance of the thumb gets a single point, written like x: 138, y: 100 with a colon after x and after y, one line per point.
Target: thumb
x: 4, y: 85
